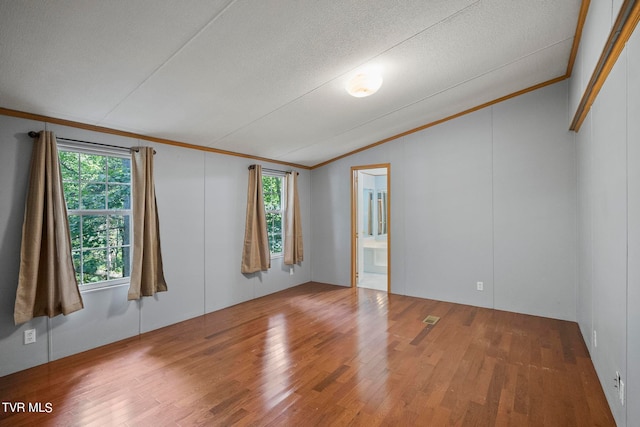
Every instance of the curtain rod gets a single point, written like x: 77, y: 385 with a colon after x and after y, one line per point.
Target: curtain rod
x: 34, y: 134
x: 273, y: 170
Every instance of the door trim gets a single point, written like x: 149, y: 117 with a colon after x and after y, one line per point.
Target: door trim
x: 354, y: 219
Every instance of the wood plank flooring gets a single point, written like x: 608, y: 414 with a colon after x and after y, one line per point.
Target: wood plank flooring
x: 326, y: 355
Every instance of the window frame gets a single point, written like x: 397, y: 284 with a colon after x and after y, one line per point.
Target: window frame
x: 123, y: 153
x: 281, y: 211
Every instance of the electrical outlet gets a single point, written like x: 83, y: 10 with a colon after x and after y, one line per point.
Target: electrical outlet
x: 29, y: 336
x: 480, y: 286
x: 290, y: 271
x: 595, y: 338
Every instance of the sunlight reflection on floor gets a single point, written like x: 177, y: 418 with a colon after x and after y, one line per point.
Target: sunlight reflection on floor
x: 373, y: 281
x: 276, y: 363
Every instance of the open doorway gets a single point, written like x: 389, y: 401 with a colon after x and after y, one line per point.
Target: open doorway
x: 370, y: 226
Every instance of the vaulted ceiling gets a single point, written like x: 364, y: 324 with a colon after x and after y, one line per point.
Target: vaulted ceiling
x: 266, y: 78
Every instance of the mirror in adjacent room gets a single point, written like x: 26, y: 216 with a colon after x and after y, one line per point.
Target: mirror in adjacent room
x: 382, y: 212
x: 367, y: 211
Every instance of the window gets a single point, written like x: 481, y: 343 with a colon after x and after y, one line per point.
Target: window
x: 272, y: 186
x: 97, y: 189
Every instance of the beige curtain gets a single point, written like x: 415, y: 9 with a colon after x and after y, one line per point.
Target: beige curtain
x: 293, y: 248
x: 47, y: 283
x: 255, y: 253
x: 147, y: 276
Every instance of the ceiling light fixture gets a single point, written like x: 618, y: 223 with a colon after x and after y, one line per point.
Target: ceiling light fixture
x: 364, y: 84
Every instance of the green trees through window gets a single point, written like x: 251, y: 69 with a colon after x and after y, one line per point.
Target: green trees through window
x: 272, y: 187
x: 97, y: 191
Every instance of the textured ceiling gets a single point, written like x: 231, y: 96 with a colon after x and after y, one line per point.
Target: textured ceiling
x: 266, y: 78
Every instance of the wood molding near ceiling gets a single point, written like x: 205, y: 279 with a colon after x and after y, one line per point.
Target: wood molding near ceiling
x: 582, y: 17
x: 621, y: 31
x: 101, y: 129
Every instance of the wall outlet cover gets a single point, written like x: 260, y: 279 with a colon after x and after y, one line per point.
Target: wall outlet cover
x: 29, y: 336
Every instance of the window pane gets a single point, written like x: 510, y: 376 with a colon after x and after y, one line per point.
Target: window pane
x: 126, y: 260
x: 100, y: 243
x: 71, y: 194
x: 74, y: 229
x: 119, y: 260
x: 94, y: 231
x: 95, y: 265
x: 119, y: 169
x: 119, y: 227
x: 276, y: 244
x: 93, y: 168
x: 69, y: 167
x: 274, y: 231
x: 271, y: 189
x: 94, y: 196
x: 119, y: 196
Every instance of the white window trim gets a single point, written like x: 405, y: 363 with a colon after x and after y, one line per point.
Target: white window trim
x: 124, y: 153
x: 82, y: 147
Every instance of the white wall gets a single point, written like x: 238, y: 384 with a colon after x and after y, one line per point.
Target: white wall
x: 534, y: 182
x: 448, y: 211
x: 585, y: 234
x: 609, y: 271
x: 490, y: 196
x: 608, y: 157
x: 633, y: 215
x: 15, y: 154
x: 201, y: 199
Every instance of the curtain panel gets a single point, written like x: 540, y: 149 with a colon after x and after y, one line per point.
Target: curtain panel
x: 47, y: 284
x: 147, y: 275
x: 255, y: 252
x: 293, y: 247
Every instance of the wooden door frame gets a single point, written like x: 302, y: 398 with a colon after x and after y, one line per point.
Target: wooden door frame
x: 354, y: 219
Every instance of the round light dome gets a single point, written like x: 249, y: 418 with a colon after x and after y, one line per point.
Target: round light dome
x: 364, y: 84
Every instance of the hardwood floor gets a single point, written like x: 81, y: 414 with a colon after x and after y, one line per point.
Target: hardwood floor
x: 326, y: 355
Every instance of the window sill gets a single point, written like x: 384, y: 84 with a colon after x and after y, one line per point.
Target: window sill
x: 84, y: 289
